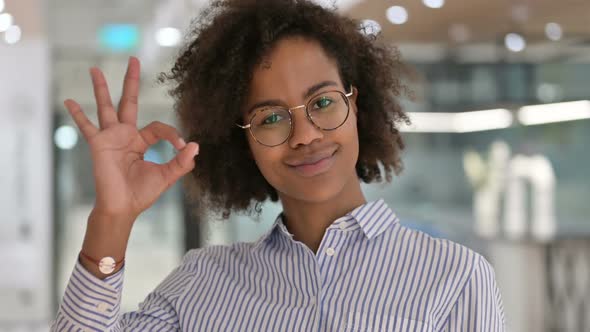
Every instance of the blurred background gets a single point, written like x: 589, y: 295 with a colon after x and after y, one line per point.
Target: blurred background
x: 496, y: 159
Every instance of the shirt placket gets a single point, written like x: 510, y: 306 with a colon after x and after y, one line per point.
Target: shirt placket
x: 327, y: 255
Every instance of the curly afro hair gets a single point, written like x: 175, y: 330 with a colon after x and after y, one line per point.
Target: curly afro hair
x: 211, y: 78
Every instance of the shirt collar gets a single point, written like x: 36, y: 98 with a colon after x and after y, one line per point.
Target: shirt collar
x: 373, y: 218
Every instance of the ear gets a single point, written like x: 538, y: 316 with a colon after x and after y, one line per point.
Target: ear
x: 353, y: 99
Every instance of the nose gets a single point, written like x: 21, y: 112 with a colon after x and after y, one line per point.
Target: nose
x: 304, y: 131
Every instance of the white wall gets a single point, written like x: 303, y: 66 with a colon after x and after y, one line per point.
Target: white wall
x: 25, y: 184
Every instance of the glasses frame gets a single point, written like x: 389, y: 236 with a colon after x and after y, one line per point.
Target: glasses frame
x: 304, y: 106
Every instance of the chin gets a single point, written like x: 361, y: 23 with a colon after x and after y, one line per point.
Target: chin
x: 314, y: 191
x: 314, y: 196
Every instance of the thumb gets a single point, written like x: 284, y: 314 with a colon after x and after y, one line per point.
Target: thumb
x: 181, y: 164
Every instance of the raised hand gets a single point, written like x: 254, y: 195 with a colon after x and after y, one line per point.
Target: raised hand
x: 126, y: 184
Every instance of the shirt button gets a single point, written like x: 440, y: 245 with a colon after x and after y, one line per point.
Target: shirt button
x: 330, y: 251
x: 102, y: 307
x: 342, y: 225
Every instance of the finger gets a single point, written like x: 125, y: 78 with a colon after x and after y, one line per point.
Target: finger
x: 87, y: 128
x: 157, y: 130
x: 107, y: 115
x: 183, y: 163
x: 128, y: 103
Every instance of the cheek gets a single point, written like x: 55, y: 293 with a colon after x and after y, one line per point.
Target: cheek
x: 349, y: 140
x: 267, y: 159
x: 349, y: 131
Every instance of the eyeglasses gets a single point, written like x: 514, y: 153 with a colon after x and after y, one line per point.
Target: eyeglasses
x: 272, y: 126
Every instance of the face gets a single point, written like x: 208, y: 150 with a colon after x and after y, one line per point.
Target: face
x: 296, y: 70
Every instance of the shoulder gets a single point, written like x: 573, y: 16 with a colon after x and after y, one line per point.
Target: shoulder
x: 456, y: 277
x: 451, y: 270
x: 199, y: 264
x: 199, y: 260
x: 443, y: 252
x: 447, y: 264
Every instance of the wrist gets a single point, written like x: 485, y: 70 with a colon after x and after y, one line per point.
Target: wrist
x: 106, y: 265
x: 106, y: 237
x: 120, y: 219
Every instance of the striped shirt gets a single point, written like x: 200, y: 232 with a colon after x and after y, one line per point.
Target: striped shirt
x: 370, y: 273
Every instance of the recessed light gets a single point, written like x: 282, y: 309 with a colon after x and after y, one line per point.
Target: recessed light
x: 397, y: 15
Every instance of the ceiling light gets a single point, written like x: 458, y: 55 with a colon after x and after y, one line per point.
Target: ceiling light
x: 482, y: 120
x: 168, y: 37
x: 434, y: 3
x: 514, y: 42
x: 65, y: 137
x: 119, y: 37
x: 397, y: 15
x: 12, y: 35
x: 459, y: 122
x: 553, y: 31
x: 557, y: 112
x: 5, y: 21
x: 425, y: 122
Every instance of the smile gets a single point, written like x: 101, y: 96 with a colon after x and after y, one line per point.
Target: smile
x: 319, y: 167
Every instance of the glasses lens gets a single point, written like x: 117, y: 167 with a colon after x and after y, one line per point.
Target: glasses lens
x: 271, y: 126
x: 328, y: 110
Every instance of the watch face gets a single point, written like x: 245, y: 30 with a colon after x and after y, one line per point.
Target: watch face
x: 107, y: 265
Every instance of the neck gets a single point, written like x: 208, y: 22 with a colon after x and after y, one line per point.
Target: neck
x: 308, y: 221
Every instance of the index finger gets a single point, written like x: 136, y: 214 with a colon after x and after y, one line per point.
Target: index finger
x: 129, y: 99
x: 87, y: 128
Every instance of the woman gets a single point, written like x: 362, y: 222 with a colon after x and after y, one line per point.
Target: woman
x: 286, y: 101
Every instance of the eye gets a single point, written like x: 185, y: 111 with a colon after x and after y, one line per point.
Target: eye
x: 272, y: 119
x: 322, y: 102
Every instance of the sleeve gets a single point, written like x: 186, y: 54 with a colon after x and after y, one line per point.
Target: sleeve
x: 479, y: 306
x: 92, y: 304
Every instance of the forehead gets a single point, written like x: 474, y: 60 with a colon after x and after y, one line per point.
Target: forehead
x: 292, y: 66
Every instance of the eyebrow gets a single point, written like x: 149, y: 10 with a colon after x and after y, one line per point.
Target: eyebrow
x: 310, y: 91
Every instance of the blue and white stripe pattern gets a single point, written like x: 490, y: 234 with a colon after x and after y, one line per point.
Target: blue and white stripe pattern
x: 370, y: 273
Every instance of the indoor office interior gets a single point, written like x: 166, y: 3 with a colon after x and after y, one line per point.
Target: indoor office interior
x: 496, y: 158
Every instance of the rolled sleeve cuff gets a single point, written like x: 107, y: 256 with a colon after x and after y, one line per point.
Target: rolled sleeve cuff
x: 92, y: 303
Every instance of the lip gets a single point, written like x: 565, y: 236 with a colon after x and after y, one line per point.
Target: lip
x: 314, y: 166
x: 313, y: 158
